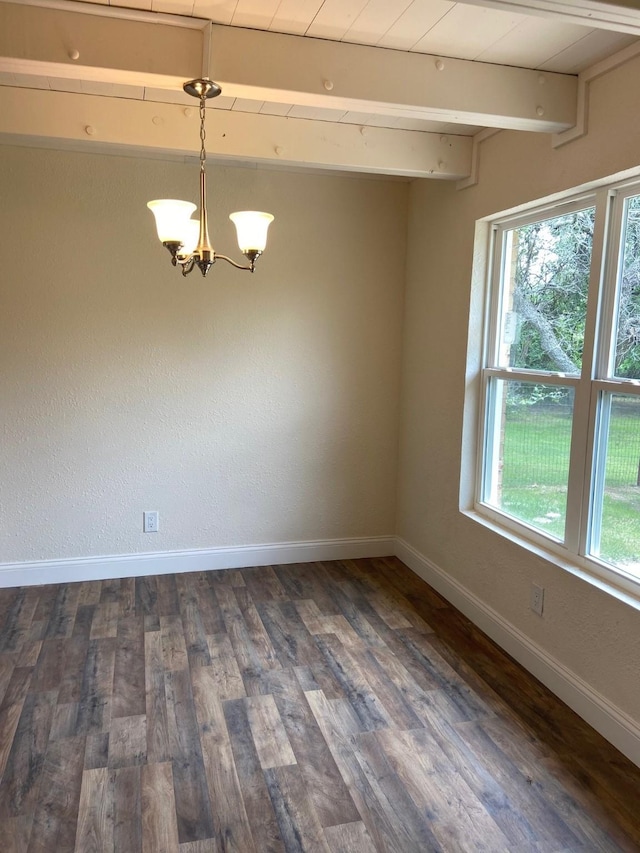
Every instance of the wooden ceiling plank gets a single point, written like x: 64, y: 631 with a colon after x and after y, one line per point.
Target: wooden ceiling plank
x: 414, y: 23
x: 622, y: 16
x: 334, y: 18
x: 295, y: 16
x: 374, y: 20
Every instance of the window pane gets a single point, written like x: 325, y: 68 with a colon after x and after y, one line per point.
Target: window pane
x: 544, y: 293
x: 615, y: 532
x: 627, y: 352
x: 529, y: 438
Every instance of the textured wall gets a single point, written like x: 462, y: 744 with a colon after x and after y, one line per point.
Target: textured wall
x: 595, y: 635
x: 245, y: 409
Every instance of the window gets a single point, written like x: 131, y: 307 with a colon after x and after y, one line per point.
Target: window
x: 560, y: 436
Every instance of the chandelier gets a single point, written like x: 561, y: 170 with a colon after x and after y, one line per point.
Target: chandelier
x: 187, y: 239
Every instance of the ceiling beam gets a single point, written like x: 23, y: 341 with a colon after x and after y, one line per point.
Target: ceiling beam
x: 622, y: 16
x: 287, y: 69
x: 100, y: 46
x: 62, y: 118
x: 293, y: 69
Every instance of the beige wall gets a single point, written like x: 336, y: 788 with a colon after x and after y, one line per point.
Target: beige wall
x: 593, y: 634
x: 245, y: 409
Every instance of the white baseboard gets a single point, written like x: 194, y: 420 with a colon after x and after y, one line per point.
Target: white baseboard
x: 613, y: 724
x: 168, y: 562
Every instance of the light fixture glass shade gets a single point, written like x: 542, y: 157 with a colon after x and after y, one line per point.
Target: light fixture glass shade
x: 190, y: 238
x: 251, y: 226
x: 172, y: 218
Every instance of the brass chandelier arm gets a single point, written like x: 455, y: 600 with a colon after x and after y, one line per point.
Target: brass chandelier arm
x: 250, y: 266
x: 187, y: 264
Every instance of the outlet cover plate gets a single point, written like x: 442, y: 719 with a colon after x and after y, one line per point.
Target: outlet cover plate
x: 537, y: 598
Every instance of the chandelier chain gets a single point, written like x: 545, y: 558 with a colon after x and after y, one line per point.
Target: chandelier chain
x: 203, y: 135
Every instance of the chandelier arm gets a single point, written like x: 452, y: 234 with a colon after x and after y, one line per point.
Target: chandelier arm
x: 250, y: 266
x: 188, y: 265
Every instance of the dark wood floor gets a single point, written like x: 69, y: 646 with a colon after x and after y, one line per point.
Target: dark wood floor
x: 339, y: 707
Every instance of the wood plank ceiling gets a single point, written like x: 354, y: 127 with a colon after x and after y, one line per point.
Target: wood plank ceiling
x: 479, y: 34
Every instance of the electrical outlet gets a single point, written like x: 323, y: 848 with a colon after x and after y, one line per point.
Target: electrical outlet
x: 537, y: 598
x: 150, y: 522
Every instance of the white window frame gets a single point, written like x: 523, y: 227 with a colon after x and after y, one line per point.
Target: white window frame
x: 588, y: 444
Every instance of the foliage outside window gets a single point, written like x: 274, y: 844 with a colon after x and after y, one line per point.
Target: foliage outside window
x: 561, y: 426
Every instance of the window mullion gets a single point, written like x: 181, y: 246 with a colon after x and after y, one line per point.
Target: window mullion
x: 583, y: 432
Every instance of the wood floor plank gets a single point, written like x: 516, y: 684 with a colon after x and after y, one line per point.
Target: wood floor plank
x: 269, y: 734
x: 210, y: 845
x: 89, y: 593
x: 10, y: 712
x: 339, y: 725
x: 96, y: 753
x: 308, y: 581
x: 7, y: 665
x: 192, y: 803
x: 96, y: 691
x: 65, y: 721
x: 18, y: 618
x: 127, y: 810
x: 194, y: 632
x: 256, y: 630
x: 95, y: 813
x: 16, y: 832
x: 326, y: 788
x: 105, y: 619
x: 127, y: 598
x: 224, y: 668
x: 395, y: 798
x: 147, y: 602
x: 75, y: 654
x: 251, y: 645
x: 349, y: 608
x: 174, y: 647
x: 128, y: 741
x: 459, y: 819
x: 371, y: 713
x: 263, y: 584
x: 167, y: 592
x: 128, y: 677
x: 158, y: 750
x: 232, y: 829
x: 158, y: 808
x: 56, y: 814
x: 289, y: 636
x: 257, y: 801
x: 349, y: 838
x: 392, y: 699
x: 63, y: 613
x: 47, y: 673
x: 210, y: 613
x: 20, y: 784
x: 297, y: 819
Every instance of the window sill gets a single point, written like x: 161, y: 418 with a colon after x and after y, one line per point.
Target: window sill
x: 606, y: 580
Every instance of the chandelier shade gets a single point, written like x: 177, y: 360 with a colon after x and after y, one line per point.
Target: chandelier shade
x: 187, y: 239
x: 172, y: 218
x: 251, y: 227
